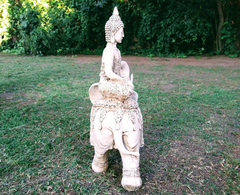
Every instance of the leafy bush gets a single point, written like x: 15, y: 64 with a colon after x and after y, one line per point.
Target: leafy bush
x: 229, y: 37
x: 152, y: 28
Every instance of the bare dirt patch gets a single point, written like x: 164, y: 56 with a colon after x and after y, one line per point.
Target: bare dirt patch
x: 15, y: 97
x: 212, y: 61
x: 185, y: 168
x: 207, y: 61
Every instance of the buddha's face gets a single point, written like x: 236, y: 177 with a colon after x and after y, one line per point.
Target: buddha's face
x: 119, y: 35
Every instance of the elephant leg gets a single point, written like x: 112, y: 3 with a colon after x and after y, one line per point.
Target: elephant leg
x: 100, y: 162
x: 131, y: 179
x: 103, y: 141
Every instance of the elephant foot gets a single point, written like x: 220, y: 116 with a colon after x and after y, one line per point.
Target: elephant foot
x: 131, y: 180
x: 100, y: 162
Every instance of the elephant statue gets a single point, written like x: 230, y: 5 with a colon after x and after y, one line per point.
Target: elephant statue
x: 116, y: 120
x: 117, y: 125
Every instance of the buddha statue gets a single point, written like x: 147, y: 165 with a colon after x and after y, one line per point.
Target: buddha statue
x: 114, y: 76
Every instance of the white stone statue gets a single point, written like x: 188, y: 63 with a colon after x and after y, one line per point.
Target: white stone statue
x: 116, y: 120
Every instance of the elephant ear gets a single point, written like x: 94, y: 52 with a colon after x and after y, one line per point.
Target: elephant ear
x: 94, y: 93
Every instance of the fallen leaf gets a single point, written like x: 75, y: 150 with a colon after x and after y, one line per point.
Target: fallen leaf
x: 49, y: 188
x: 40, y: 84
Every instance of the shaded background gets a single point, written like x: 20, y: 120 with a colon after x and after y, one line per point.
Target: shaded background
x: 176, y: 28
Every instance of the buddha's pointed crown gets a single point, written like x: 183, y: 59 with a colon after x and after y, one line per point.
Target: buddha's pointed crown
x: 113, y: 24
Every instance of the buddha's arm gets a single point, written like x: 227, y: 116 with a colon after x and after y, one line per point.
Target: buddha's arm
x: 108, y: 61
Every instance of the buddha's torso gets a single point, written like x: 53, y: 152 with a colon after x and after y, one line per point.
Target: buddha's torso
x: 116, y: 67
x: 118, y: 90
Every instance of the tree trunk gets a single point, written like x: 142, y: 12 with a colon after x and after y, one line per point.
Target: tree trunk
x: 216, y: 34
x: 220, y: 25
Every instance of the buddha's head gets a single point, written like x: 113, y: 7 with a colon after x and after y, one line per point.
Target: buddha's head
x: 114, y: 28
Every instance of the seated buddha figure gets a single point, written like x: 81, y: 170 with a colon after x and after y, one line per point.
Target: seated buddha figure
x: 114, y: 76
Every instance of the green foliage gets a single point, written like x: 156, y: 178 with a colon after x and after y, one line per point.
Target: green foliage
x: 232, y: 55
x: 229, y: 37
x: 29, y: 24
x: 176, y: 28
x: 156, y: 27
x: 4, y: 23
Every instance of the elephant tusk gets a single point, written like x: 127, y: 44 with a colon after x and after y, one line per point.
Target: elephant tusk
x: 119, y: 143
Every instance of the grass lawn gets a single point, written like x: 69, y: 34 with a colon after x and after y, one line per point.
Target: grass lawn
x: 191, y: 128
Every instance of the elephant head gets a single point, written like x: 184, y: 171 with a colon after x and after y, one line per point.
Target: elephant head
x: 114, y: 117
